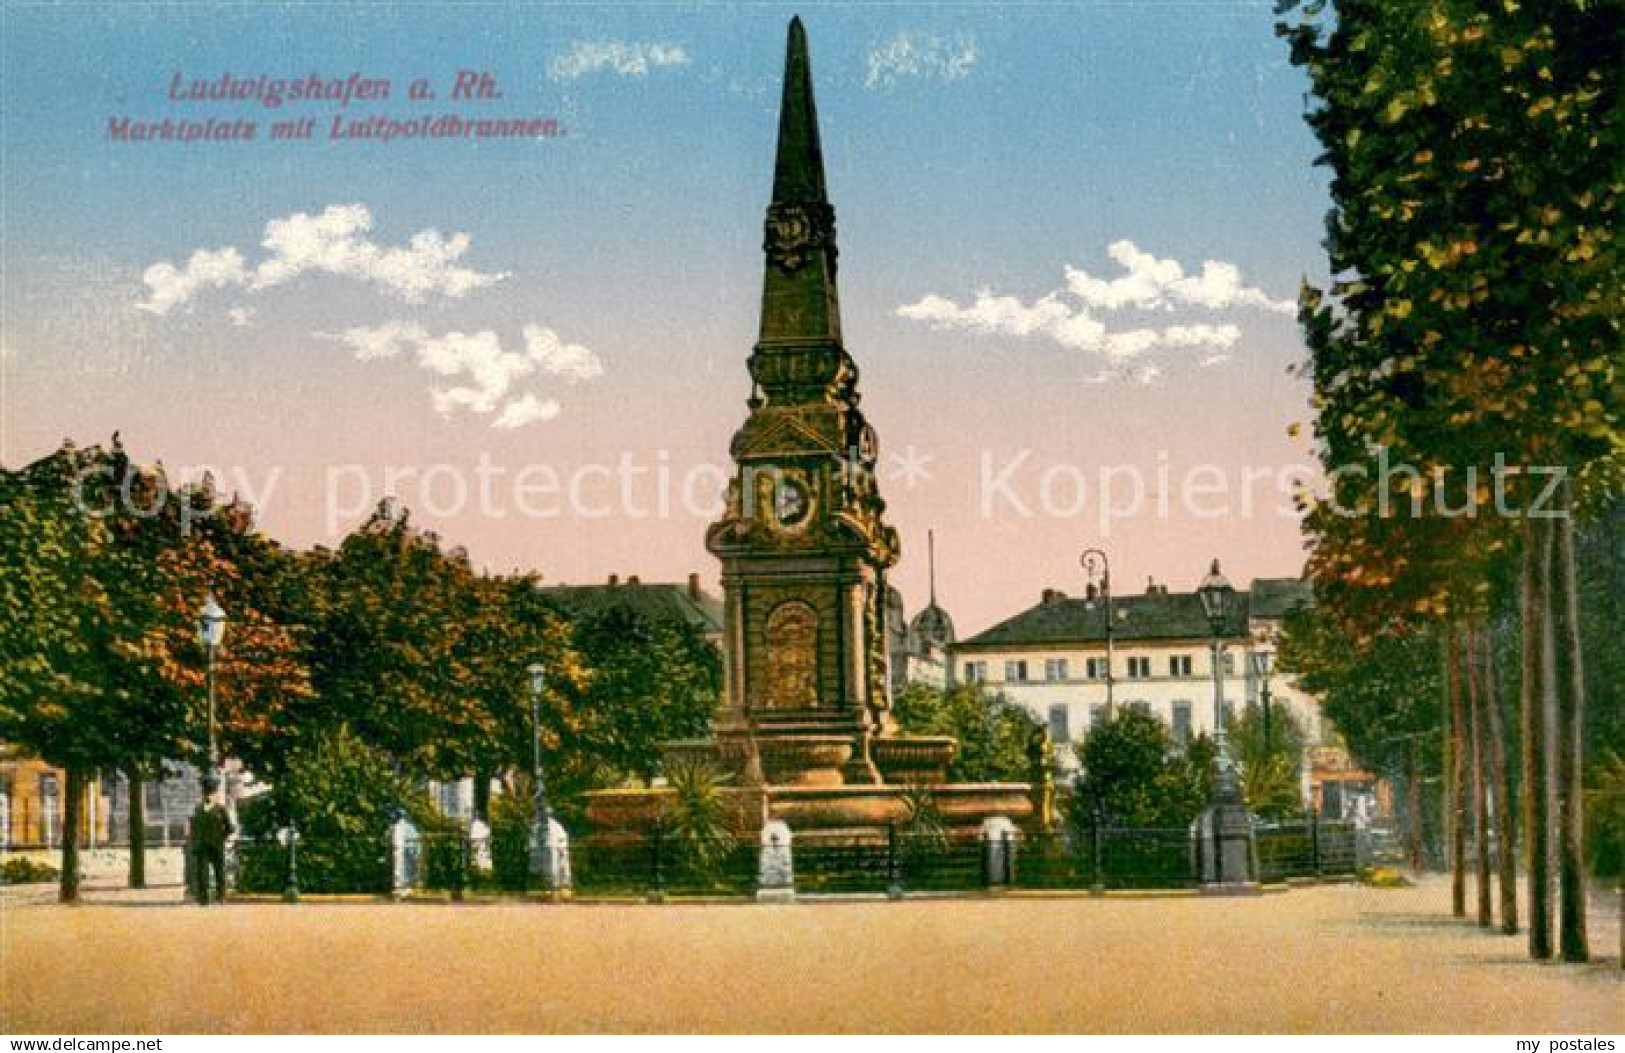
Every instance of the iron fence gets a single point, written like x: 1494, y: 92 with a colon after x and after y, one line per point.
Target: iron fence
x: 1312, y: 849
x: 1102, y: 857
x: 660, y: 864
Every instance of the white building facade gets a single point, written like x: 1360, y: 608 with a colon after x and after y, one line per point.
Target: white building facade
x: 1052, y: 659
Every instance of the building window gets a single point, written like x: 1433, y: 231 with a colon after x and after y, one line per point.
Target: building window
x: 1141, y: 707
x: 1230, y: 663
x: 1182, y: 724
x: 1179, y: 665
x: 1139, y: 668
x: 1095, y: 668
x: 1055, y: 669
x: 975, y: 672
x: 1015, y: 671
x: 1060, y: 723
x: 1097, y: 715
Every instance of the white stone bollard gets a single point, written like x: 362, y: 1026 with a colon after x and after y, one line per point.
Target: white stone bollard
x: 999, y: 837
x: 775, y: 871
x: 405, y: 848
x: 479, y: 845
x: 550, y: 855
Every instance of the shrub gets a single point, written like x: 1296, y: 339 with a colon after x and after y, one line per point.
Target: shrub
x: 343, y: 795
x: 19, y: 870
x: 510, y: 841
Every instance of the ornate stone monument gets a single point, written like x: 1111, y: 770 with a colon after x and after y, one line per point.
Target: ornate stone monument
x: 805, y: 724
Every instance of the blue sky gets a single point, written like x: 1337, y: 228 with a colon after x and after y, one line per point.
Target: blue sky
x: 996, y: 149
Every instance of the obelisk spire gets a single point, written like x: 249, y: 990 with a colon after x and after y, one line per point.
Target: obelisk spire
x: 800, y: 306
x: 798, y: 176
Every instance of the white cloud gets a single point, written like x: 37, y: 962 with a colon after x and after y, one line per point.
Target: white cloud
x: 1149, y: 282
x: 572, y: 361
x: 480, y: 376
x: 241, y: 317
x: 527, y: 409
x: 1073, y: 316
x: 169, y: 286
x: 620, y: 57
x: 331, y: 242
x: 988, y: 314
x: 924, y: 56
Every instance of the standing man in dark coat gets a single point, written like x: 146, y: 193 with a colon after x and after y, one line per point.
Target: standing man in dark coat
x: 211, y: 827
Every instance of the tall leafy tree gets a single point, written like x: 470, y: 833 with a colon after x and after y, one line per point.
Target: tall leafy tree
x: 1475, y: 320
x: 649, y: 680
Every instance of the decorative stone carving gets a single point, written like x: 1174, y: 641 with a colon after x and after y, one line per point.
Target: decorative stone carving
x: 796, y: 231
x: 791, y: 668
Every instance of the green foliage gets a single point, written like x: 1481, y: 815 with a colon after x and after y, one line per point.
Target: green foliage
x: 1132, y: 769
x: 650, y: 681
x: 510, y: 840
x: 697, y: 820
x: 1605, y: 817
x: 20, y: 870
x: 393, y: 610
x: 343, y: 794
x: 923, y: 827
x: 1270, y: 767
x: 998, y: 741
x: 1382, y: 693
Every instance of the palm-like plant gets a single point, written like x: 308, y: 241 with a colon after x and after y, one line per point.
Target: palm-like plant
x: 697, y: 817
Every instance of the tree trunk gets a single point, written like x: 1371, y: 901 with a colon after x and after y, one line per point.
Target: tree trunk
x: 1506, y: 830
x: 73, y: 811
x: 1481, y: 801
x: 1537, y: 707
x: 1458, y: 775
x: 137, y: 812
x: 1413, y: 805
x: 1570, y: 768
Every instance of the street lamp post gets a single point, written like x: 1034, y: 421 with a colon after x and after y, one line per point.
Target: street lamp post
x: 1217, y: 596
x: 538, y: 680
x: 1229, y: 863
x: 1261, y: 670
x: 1096, y: 564
x: 549, y: 846
x: 211, y: 631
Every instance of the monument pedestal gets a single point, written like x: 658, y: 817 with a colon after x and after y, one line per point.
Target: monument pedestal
x: 1228, y: 861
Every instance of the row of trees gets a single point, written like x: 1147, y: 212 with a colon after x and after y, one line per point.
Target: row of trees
x: 391, y: 639
x: 1472, y: 335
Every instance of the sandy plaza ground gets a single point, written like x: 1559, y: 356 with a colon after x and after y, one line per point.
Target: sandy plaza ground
x: 1324, y: 959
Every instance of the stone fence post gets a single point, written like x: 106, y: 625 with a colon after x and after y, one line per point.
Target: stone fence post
x: 479, y: 845
x: 405, y: 854
x: 999, y: 838
x: 775, y: 871
x: 550, y: 854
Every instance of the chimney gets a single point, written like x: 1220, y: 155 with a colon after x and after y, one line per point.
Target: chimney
x: 1047, y: 596
x: 632, y: 579
x: 1091, y: 591
x: 1150, y: 585
x: 614, y: 579
x: 693, y: 586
